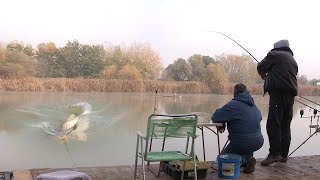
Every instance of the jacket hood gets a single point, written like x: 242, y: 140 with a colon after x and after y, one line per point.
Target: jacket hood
x: 245, y: 97
x: 283, y: 49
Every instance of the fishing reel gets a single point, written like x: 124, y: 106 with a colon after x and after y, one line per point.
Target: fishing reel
x: 314, y: 120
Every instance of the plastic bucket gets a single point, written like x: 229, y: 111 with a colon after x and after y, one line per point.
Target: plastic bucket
x: 229, y: 166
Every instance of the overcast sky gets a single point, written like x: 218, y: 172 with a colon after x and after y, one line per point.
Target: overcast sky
x: 173, y: 28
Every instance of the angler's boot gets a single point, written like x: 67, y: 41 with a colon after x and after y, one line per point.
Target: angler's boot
x: 250, y: 165
x: 270, y: 159
x: 283, y: 159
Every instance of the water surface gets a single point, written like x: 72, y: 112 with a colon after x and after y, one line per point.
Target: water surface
x: 106, y: 135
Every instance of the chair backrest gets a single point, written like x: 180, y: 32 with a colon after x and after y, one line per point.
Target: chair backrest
x: 171, y: 125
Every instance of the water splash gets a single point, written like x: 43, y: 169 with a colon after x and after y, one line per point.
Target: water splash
x: 51, y: 117
x: 76, y: 124
x: 79, y: 109
x: 59, y: 121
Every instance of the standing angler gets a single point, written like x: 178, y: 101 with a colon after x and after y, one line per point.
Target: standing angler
x: 279, y: 70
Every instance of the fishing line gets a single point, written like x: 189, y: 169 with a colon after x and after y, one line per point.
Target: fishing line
x: 317, y: 129
x: 68, y: 152
x: 255, y: 59
x: 64, y: 138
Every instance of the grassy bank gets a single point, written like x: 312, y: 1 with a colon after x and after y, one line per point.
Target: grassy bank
x: 103, y: 85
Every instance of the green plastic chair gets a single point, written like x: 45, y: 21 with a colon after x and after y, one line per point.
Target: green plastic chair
x: 163, y: 126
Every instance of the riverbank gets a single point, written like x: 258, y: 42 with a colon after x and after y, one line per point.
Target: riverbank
x: 137, y: 86
x: 300, y: 167
x: 101, y: 85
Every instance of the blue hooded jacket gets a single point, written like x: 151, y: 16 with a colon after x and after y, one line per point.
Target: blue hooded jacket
x: 243, y: 121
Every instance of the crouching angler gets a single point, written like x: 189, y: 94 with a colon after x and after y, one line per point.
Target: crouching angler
x: 242, y: 118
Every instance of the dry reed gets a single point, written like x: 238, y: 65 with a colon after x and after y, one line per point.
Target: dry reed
x: 139, y: 86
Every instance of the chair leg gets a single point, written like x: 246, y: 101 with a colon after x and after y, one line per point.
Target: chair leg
x: 182, y: 172
x: 143, y: 169
x: 157, y: 174
x: 160, y: 167
x: 142, y: 158
x: 195, y: 167
x: 136, y: 159
x: 194, y: 160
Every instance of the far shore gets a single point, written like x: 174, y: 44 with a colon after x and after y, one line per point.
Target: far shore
x: 136, y: 86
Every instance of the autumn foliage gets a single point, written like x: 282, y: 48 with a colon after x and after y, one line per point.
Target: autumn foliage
x: 125, y: 68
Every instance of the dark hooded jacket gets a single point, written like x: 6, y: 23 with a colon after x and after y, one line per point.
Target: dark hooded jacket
x: 243, y: 121
x: 281, y: 70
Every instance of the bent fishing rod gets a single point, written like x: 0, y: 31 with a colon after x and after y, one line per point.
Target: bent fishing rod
x: 258, y: 62
x: 236, y: 43
x: 301, y: 112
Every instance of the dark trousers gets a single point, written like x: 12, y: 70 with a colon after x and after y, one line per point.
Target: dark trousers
x: 244, y: 147
x: 278, y: 123
x: 244, y: 156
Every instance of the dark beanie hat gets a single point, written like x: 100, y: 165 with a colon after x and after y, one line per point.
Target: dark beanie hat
x: 282, y: 43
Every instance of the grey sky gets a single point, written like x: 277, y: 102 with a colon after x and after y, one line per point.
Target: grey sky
x: 173, y: 28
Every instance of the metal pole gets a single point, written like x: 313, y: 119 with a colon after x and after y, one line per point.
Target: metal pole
x: 203, y: 148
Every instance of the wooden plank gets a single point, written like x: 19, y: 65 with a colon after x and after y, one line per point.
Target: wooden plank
x: 262, y: 172
x: 22, y: 175
x: 266, y: 172
x: 303, y: 167
x: 288, y: 170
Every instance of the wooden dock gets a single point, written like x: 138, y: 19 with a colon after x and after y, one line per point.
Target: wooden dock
x: 302, y: 167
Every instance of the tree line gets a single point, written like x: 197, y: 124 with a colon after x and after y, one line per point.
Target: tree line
x: 75, y: 60
x: 137, y: 61
x: 217, y: 72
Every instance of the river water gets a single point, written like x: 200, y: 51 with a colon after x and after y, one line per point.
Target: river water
x: 106, y: 135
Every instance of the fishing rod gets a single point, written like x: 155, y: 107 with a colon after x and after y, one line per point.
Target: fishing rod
x: 317, y: 130
x: 309, y: 100
x: 307, y: 106
x: 155, y: 99
x: 301, y: 112
x: 236, y: 43
x: 258, y: 62
x: 156, y: 88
